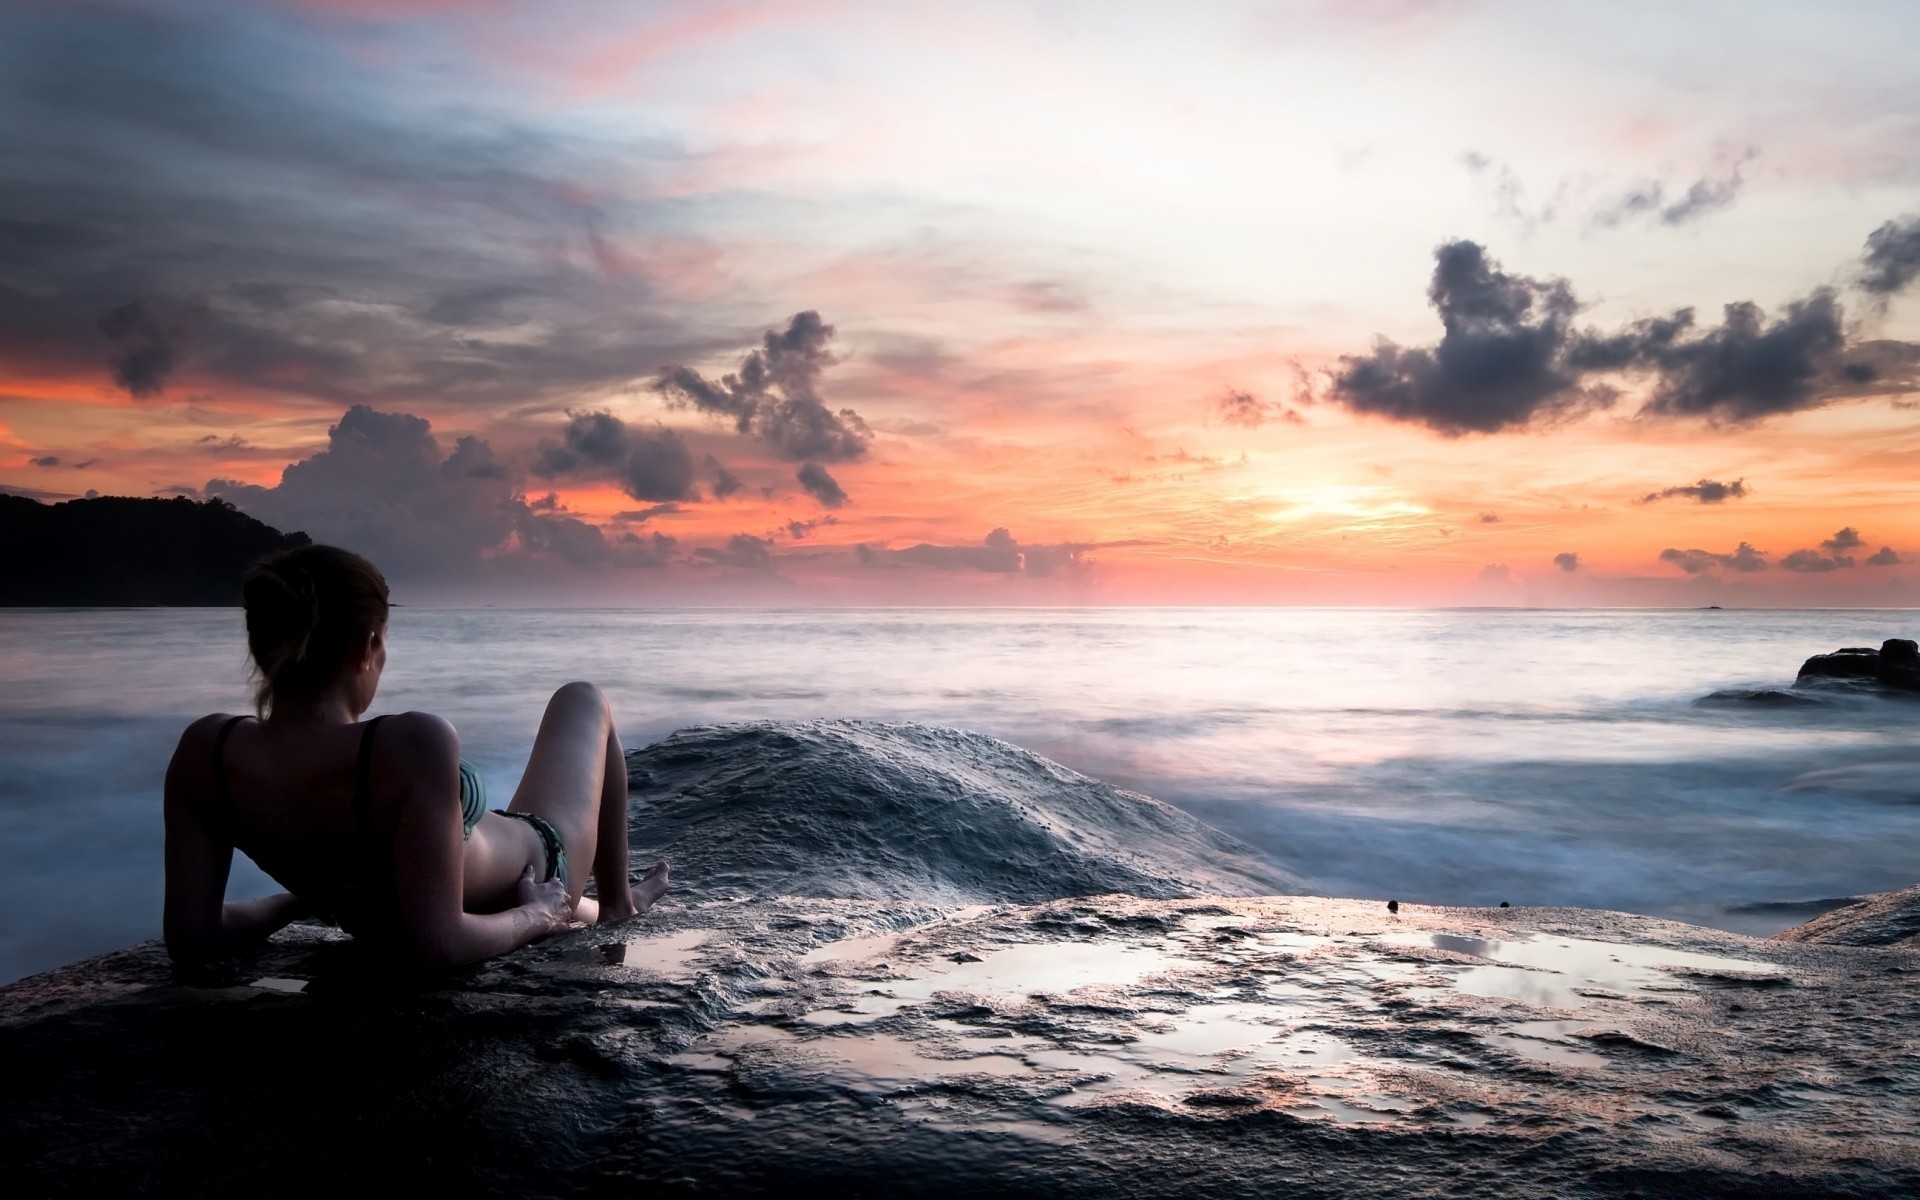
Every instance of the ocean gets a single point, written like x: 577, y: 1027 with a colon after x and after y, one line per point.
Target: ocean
x: 1550, y: 757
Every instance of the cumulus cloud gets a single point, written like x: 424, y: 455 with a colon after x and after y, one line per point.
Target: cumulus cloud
x: 1846, y: 539
x: 1885, y: 556
x: 1489, y: 518
x: 1569, y: 561
x: 1891, y: 259
x: 1509, y: 356
x: 1812, y: 562
x: 1744, y: 558
x: 384, y: 487
x: 1749, y: 367
x: 648, y: 464
x: 1500, y: 362
x: 999, y: 553
x: 1707, y: 491
x: 775, y: 396
x: 820, y: 485
x: 1497, y: 573
x: 741, y: 550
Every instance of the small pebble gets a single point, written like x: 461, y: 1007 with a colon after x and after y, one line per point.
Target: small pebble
x: 1393, y: 906
x: 1504, y: 904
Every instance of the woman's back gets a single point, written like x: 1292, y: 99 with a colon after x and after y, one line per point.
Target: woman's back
x: 304, y: 802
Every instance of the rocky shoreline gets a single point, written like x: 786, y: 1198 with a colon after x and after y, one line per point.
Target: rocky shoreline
x: 866, y: 989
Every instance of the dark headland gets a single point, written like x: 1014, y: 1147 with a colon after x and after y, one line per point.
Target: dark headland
x: 911, y: 961
x: 118, y: 551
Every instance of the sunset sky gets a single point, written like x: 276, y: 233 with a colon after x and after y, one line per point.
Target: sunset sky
x: 1374, y: 302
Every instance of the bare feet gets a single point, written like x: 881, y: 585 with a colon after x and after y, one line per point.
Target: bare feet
x: 651, y: 885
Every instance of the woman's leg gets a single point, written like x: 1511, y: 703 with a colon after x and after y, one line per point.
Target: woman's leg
x: 576, y: 778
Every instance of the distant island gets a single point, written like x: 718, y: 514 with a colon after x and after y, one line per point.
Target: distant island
x: 121, y: 551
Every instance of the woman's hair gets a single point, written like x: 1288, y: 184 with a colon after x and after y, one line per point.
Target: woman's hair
x: 309, y: 612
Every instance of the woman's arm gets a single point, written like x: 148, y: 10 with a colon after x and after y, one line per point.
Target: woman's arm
x: 198, y: 923
x: 420, y: 755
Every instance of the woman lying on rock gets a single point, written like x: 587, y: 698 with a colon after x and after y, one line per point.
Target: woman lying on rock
x: 379, y: 824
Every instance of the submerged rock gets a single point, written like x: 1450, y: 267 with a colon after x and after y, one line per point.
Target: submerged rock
x: 1895, y: 666
x: 786, y: 1027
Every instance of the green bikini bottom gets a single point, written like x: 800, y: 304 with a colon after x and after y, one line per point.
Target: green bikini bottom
x: 549, y: 836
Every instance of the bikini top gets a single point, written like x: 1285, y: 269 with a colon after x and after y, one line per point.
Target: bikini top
x: 369, y: 890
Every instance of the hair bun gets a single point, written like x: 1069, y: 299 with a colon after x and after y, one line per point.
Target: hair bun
x: 307, y: 610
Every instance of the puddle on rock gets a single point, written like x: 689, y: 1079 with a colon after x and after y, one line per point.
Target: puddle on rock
x: 291, y: 987
x: 668, y: 955
x: 1569, y: 973
x: 850, y: 949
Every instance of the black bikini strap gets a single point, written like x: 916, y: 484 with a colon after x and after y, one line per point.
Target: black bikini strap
x: 363, y: 780
x: 222, y: 795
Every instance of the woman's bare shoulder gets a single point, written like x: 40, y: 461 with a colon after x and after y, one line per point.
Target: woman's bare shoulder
x: 200, y: 734
x: 419, y: 733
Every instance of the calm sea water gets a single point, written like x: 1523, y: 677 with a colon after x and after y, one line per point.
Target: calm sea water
x: 1467, y: 757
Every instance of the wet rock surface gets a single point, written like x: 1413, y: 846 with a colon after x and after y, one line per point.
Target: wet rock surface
x: 744, y: 1041
x: 1885, y: 919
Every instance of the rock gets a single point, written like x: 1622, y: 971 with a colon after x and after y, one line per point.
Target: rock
x: 1885, y: 919
x: 1894, y: 667
x: 775, y: 1033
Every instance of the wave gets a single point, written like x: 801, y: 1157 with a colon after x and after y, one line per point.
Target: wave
x: 877, y: 810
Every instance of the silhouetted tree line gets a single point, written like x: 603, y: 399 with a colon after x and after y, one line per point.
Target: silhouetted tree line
x: 117, y: 550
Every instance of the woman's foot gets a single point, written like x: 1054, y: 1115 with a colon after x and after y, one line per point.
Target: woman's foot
x: 651, y: 885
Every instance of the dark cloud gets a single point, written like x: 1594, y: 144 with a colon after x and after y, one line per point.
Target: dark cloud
x: 725, y: 482
x: 1707, y: 491
x: 47, y: 460
x: 658, y: 467
x: 1812, y: 562
x: 638, y: 515
x: 142, y: 354
x: 1848, y: 538
x: 1750, y: 368
x: 800, y: 529
x: 1885, y: 556
x: 1500, y: 362
x: 1568, y: 561
x: 648, y: 464
x: 821, y: 485
x: 999, y: 553
x: 1489, y: 518
x: 775, y: 396
x: 178, y: 195
x: 1510, y: 357
x: 384, y: 487
x: 1891, y: 260
x: 742, y: 550
x: 1744, y: 558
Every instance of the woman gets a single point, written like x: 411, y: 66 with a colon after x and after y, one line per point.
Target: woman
x: 379, y: 823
